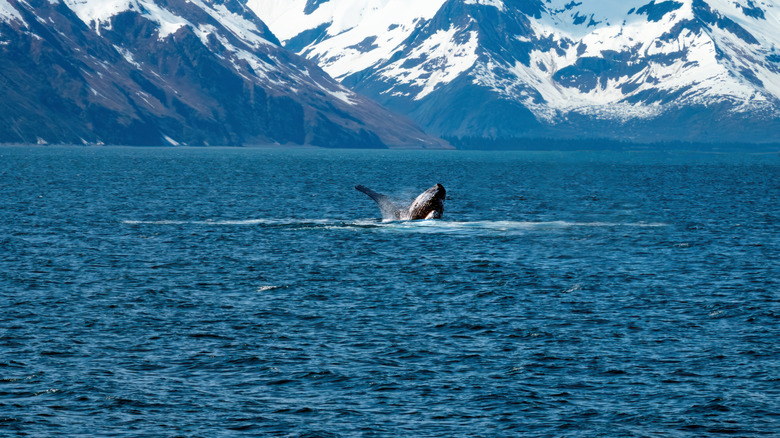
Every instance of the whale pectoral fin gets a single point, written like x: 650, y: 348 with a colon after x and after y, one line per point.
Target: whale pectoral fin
x: 433, y: 215
x: 389, y: 208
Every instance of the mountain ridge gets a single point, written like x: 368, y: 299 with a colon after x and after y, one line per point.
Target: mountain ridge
x: 687, y: 70
x: 155, y: 72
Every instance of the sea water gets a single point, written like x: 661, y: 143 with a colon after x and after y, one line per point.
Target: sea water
x: 225, y: 292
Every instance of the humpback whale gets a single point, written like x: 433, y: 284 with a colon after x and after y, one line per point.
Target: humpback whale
x: 428, y: 205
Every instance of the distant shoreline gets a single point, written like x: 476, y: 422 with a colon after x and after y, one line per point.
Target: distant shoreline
x: 603, y: 144
x: 516, y: 145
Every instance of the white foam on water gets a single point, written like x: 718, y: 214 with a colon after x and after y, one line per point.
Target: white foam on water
x: 417, y: 226
x: 508, y: 226
x: 237, y: 222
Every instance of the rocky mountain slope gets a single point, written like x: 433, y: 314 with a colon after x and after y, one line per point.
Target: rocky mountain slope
x: 152, y: 72
x: 690, y: 70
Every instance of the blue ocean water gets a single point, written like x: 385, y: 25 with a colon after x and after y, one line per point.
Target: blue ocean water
x: 228, y: 292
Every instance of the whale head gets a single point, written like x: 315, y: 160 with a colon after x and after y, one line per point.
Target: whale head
x: 428, y: 205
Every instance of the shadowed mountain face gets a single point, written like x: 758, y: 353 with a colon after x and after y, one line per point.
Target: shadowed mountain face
x: 694, y: 70
x: 205, y: 72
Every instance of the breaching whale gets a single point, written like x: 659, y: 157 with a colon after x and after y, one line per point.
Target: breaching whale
x: 428, y: 205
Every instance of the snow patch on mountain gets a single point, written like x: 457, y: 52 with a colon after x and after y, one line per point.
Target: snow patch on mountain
x: 577, y: 19
x: 98, y: 13
x: 614, y: 61
x: 288, y: 18
x: 763, y: 25
x: 495, y: 3
x: 358, y: 34
x: 128, y: 55
x: 8, y: 13
x: 236, y: 24
x: 241, y: 52
x: 446, y: 56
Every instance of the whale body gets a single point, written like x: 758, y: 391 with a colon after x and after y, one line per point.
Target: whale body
x: 428, y: 205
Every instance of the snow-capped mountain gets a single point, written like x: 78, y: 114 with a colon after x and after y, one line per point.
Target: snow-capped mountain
x: 700, y: 70
x: 172, y: 72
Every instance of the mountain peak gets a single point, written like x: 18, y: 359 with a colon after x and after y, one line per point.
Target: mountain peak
x: 176, y: 72
x: 672, y: 69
